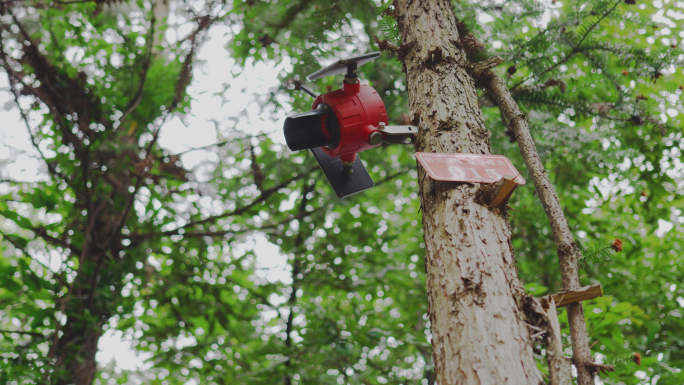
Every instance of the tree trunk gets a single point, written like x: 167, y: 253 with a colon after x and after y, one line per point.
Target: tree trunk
x: 84, y: 305
x: 76, y: 351
x: 76, y: 348
x: 479, y: 335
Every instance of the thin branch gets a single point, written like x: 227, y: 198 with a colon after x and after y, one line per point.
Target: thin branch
x: 23, y: 250
x: 137, y: 98
x: 49, y: 95
x: 138, y: 183
x: 20, y: 332
x: 13, y: 181
x: 607, y: 74
x: 568, y: 251
x: 73, y: 1
x: 137, y: 237
x: 292, y: 14
x: 597, y: 22
x: 296, y: 268
x: 223, y: 143
x: 185, y: 75
x: 576, y: 48
x: 544, y: 72
x: 12, y: 80
x: 385, y: 45
x: 265, y: 195
x: 40, y: 231
x: 213, y: 234
x: 581, y: 109
x: 257, y: 175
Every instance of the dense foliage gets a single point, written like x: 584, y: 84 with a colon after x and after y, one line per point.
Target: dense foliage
x: 118, y: 235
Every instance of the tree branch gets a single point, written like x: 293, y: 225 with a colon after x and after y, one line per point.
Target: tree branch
x: 204, y: 23
x: 185, y: 75
x: 568, y: 251
x: 20, y: 332
x: 135, y: 101
x: 23, y: 250
x: 12, y: 80
x: 40, y: 231
x: 265, y: 195
x: 597, y: 22
x: 48, y: 94
x: 296, y: 268
x: 223, y: 143
x: 385, y: 45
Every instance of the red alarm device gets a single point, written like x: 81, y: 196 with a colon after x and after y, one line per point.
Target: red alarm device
x: 343, y: 123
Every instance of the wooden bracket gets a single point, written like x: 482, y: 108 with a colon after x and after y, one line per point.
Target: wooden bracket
x: 568, y: 297
x: 497, y: 194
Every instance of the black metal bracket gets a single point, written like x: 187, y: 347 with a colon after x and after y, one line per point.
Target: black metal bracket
x: 343, y: 184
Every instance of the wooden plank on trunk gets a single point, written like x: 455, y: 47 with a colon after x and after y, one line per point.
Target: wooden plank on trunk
x: 509, y: 185
x: 497, y: 194
x: 568, y: 297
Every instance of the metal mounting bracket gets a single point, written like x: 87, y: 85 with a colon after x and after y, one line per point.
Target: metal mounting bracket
x: 398, y: 134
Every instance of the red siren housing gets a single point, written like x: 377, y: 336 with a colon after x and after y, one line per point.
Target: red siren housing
x: 359, y: 111
x: 341, y: 124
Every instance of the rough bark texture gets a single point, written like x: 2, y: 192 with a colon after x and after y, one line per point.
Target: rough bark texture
x: 568, y: 251
x: 478, y: 329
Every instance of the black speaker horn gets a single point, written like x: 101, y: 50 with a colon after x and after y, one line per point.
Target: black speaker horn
x: 312, y: 129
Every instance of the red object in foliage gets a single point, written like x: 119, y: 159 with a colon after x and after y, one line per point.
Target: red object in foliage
x: 343, y: 123
x: 359, y: 110
x: 471, y: 168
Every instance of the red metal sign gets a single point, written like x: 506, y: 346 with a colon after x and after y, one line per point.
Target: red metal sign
x: 468, y: 167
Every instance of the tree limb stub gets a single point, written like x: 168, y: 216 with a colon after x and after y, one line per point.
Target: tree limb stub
x: 603, y: 368
x: 568, y: 251
x: 496, y: 194
x: 479, y: 68
x: 385, y: 45
x: 573, y: 296
x: 401, y: 50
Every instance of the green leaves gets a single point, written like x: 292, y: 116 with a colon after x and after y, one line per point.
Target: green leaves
x: 390, y: 29
x: 19, y: 220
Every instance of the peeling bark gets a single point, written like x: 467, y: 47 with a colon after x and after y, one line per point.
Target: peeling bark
x: 479, y: 334
x: 545, y: 322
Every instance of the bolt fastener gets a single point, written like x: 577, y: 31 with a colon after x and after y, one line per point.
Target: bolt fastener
x: 375, y: 138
